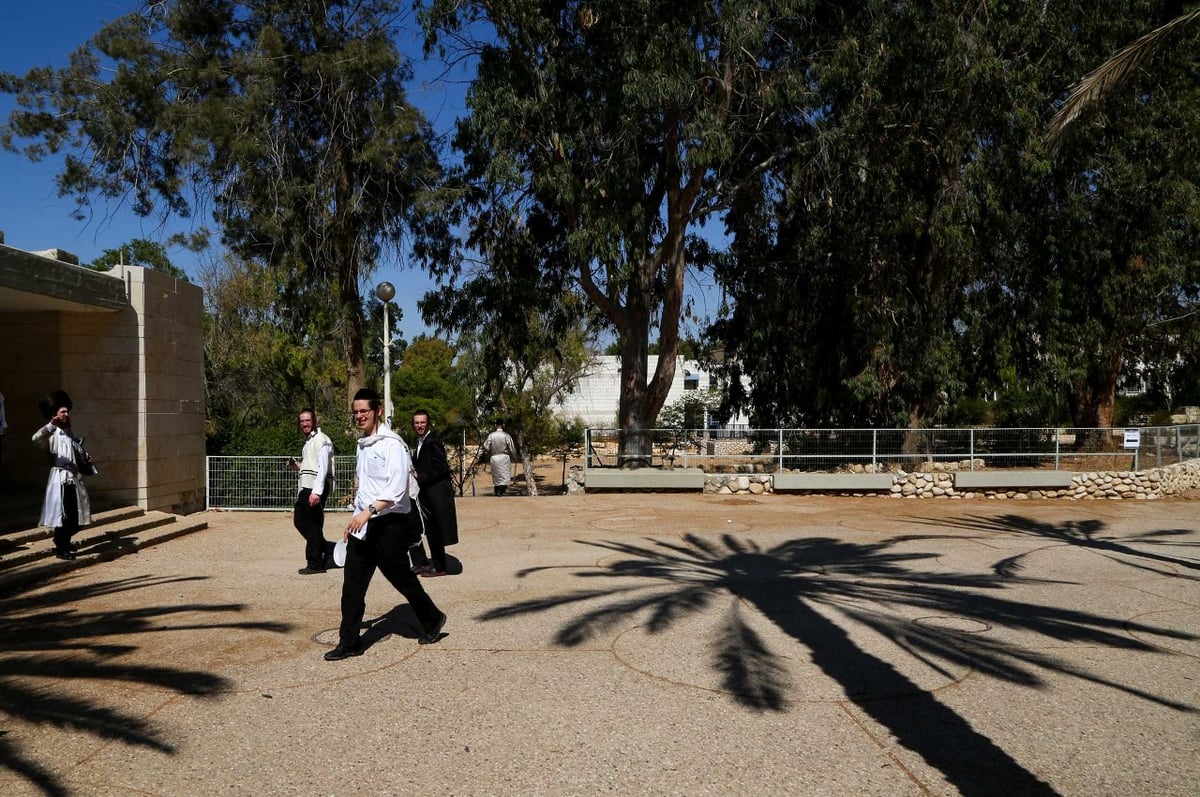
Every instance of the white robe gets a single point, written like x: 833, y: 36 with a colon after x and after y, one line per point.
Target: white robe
x: 499, y: 446
x: 62, y: 471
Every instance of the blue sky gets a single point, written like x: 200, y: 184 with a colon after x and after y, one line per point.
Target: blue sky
x: 33, y: 217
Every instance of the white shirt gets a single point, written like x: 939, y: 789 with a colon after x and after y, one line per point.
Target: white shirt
x: 383, y: 467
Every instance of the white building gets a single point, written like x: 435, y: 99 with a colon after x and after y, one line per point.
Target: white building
x: 598, y: 394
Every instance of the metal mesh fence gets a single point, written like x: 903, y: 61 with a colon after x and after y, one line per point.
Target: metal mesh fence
x: 266, y: 483
x: 826, y: 450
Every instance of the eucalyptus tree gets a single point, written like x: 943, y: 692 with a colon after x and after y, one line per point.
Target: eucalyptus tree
x: 286, y: 120
x: 1112, y: 276
x: 855, y: 255
x: 521, y: 378
x: 602, y: 135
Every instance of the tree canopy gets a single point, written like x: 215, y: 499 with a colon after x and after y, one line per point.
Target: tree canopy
x: 139, y: 252
x: 914, y: 243
x: 601, y: 137
x: 286, y: 119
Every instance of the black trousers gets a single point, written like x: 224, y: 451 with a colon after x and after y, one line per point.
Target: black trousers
x: 385, y: 547
x: 433, y: 535
x: 70, y: 519
x: 310, y: 522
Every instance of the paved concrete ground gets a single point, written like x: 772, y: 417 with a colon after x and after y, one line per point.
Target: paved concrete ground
x: 634, y: 644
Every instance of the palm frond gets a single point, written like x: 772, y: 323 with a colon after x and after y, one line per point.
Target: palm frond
x: 1100, y: 82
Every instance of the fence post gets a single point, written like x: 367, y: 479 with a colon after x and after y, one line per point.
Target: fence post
x: 971, y: 447
x: 1057, y: 447
x: 781, y: 450
x: 208, y: 482
x: 874, y: 449
x: 587, y: 448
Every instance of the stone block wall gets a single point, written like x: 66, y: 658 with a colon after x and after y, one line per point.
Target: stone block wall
x: 135, y: 371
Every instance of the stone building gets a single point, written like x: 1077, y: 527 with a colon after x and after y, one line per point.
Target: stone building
x: 128, y: 346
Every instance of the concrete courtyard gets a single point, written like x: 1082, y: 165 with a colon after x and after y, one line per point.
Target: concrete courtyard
x: 652, y: 644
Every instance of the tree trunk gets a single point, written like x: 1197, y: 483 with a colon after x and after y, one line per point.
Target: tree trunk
x: 635, y: 446
x: 530, y: 477
x: 913, y: 437
x: 1092, y: 402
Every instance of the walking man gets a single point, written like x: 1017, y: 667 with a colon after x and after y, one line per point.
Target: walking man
x: 375, y: 536
x: 436, y: 498
x: 316, y: 482
x: 499, y: 449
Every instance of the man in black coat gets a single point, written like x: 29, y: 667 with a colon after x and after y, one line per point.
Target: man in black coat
x: 436, y: 497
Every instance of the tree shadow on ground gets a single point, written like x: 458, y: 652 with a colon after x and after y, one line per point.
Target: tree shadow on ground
x: 44, y: 636
x: 816, y: 590
x: 1090, y: 534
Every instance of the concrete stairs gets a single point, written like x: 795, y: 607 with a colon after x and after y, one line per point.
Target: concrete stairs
x: 27, y: 553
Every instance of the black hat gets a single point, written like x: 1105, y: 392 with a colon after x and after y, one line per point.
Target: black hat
x: 50, y: 403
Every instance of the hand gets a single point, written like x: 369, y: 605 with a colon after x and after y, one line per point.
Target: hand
x: 313, y: 499
x: 292, y: 464
x: 359, y: 520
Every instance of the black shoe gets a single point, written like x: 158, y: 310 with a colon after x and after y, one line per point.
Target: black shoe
x: 343, y: 652
x: 434, y: 632
x: 66, y: 555
x: 310, y: 570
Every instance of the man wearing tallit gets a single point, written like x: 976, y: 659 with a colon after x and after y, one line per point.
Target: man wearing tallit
x: 66, y: 506
x: 499, y: 449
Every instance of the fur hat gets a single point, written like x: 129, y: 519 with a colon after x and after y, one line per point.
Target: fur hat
x: 50, y: 403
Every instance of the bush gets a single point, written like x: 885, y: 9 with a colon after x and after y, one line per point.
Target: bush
x: 277, y: 438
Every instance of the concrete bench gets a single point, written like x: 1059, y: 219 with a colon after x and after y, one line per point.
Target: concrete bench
x: 643, y: 479
x: 843, y: 482
x: 1010, y: 479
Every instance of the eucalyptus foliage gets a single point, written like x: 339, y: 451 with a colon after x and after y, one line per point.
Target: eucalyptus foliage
x: 602, y: 136
x: 915, y: 242
x: 286, y: 120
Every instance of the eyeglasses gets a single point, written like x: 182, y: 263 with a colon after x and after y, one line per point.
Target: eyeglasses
x: 360, y: 413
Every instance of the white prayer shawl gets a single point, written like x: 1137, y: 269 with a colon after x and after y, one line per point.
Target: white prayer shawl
x: 383, y: 468
x: 62, y: 472
x: 315, y: 460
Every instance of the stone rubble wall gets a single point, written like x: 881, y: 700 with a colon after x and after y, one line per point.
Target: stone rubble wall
x: 938, y: 482
x: 734, y: 484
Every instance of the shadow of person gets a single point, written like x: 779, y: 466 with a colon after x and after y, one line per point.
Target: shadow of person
x: 400, y: 621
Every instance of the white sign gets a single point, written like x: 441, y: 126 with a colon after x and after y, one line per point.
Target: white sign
x: 1133, y: 438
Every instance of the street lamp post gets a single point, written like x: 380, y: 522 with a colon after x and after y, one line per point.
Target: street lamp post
x: 386, y: 291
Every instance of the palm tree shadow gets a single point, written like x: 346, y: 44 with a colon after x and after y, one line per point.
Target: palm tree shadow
x: 44, y: 637
x: 799, y: 585
x: 1090, y: 534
